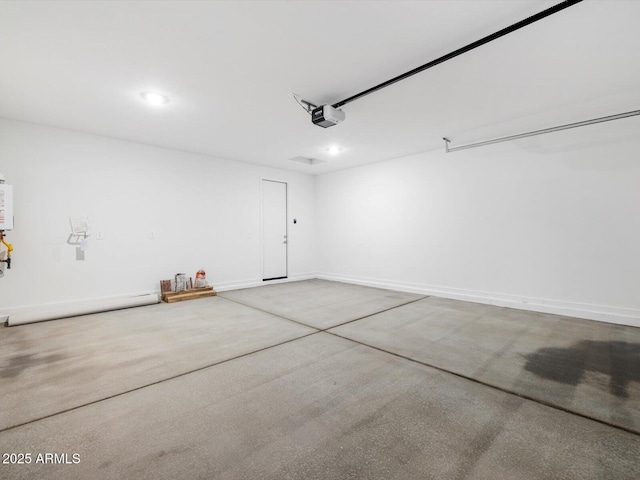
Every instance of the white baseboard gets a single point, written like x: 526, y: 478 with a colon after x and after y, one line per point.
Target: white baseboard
x: 219, y: 287
x: 225, y: 286
x: 620, y: 316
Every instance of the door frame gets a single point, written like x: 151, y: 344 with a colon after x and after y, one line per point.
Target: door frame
x: 271, y: 179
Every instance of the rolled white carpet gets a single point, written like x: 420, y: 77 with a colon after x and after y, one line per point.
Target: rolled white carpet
x: 64, y: 311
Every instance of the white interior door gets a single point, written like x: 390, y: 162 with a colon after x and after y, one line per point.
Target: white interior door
x: 274, y: 230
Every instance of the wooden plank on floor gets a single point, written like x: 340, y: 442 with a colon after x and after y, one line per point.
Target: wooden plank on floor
x: 190, y: 294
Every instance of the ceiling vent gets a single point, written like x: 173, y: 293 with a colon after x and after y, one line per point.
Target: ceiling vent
x: 307, y: 161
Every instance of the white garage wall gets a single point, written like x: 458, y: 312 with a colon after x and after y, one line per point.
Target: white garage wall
x: 550, y: 223
x: 204, y: 212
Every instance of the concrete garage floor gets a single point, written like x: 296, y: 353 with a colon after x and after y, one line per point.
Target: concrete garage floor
x: 216, y: 389
x: 587, y: 367
x: 319, y: 303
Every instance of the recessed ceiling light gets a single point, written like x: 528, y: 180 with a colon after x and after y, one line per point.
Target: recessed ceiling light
x: 334, y: 150
x: 155, y: 99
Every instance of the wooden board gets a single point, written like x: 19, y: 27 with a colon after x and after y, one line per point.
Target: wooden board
x: 190, y: 294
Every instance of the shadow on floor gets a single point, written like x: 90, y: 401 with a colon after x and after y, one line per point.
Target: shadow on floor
x: 19, y: 363
x: 619, y: 360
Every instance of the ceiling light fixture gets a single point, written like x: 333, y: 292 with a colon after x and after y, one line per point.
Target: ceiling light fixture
x: 334, y: 150
x: 155, y: 99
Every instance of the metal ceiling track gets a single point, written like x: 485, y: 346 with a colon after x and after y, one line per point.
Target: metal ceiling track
x: 501, y: 33
x: 540, y: 132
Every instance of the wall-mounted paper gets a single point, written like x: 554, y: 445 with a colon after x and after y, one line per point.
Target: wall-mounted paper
x: 6, y: 207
